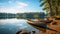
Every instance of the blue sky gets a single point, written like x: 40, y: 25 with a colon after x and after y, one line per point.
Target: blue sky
x: 20, y: 6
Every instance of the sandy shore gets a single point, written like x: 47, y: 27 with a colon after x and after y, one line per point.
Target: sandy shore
x: 55, y: 27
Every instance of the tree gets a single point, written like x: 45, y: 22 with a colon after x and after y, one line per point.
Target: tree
x: 51, y: 6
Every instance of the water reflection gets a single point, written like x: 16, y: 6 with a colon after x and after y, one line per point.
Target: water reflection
x: 10, y: 26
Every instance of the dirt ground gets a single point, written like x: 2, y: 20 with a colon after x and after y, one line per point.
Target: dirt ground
x: 55, y: 26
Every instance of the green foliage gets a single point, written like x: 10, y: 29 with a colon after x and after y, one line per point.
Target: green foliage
x: 51, y: 6
x: 43, y: 3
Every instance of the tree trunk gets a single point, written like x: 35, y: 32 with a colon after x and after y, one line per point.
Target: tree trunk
x: 49, y: 1
x: 57, y: 11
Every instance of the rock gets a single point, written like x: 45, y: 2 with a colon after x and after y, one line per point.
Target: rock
x: 24, y: 32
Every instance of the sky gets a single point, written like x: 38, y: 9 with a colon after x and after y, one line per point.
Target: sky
x: 20, y: 6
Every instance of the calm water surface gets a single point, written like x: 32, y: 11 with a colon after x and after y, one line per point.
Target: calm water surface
x: 11, y: 26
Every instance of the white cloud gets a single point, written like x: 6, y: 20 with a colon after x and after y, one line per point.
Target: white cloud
x: 18, y: 8
x: 22, y: 4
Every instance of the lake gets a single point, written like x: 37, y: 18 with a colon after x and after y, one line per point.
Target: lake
x: 11, y: 26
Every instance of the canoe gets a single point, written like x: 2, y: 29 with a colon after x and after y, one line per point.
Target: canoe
x: 39, y: 28
x: 41, y: 25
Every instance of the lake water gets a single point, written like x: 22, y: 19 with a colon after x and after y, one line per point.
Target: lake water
x: 11, y: 26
